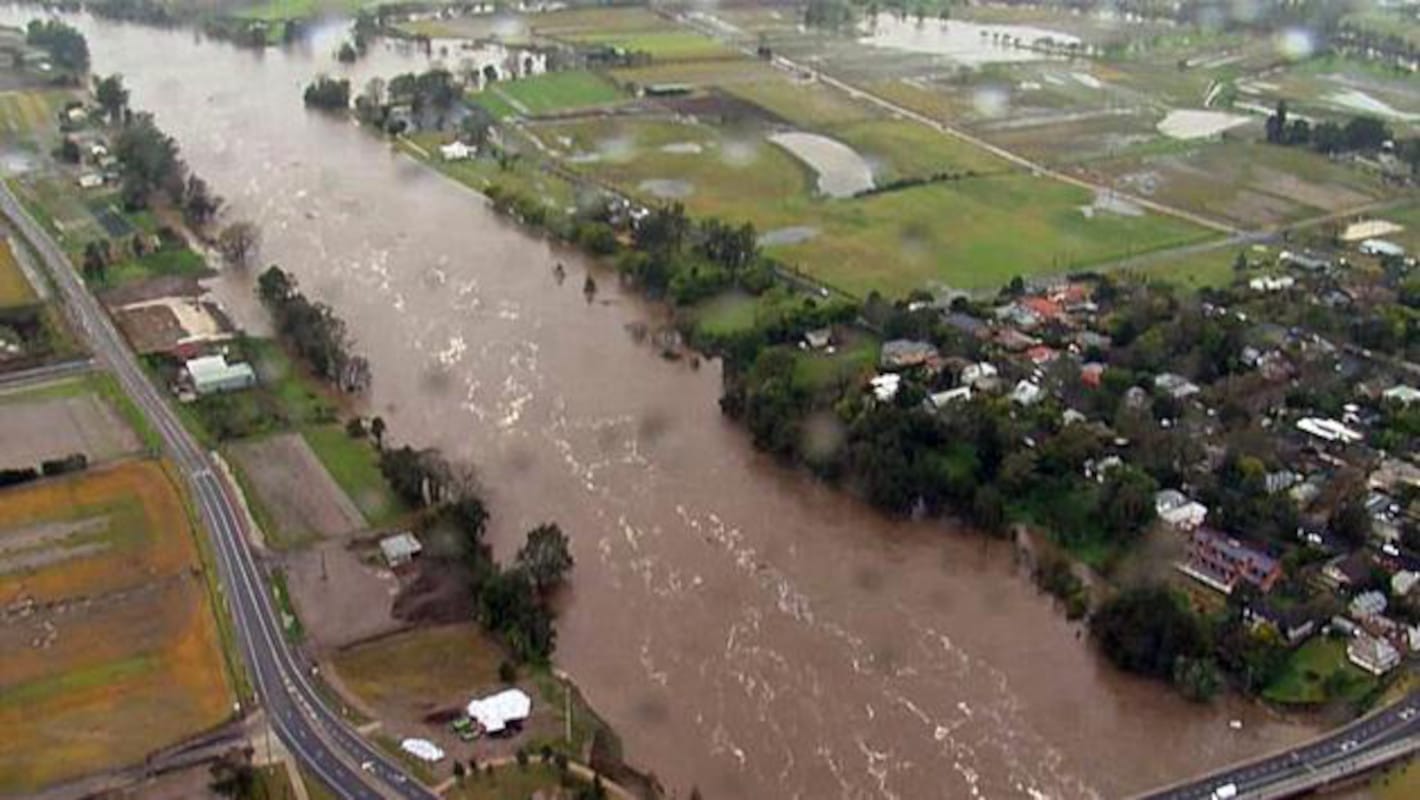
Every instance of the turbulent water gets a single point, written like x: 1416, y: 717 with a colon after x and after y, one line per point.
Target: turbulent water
x: 743, y: 628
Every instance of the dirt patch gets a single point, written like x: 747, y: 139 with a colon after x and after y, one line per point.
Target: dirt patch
x: 165, y: 286
x: 32, y: 431
x: 721, y: 109
x: 340, y: 598
x: 163, y: 324
x: 1329, y: 197
x: 291, y: 484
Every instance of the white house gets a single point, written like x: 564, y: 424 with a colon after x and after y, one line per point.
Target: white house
x: 91, y: 180
x: 940, y: 400
x: 1402, y: 582
x: 885, y: 386
x: 400, y: 549
x: 212, y: 374
x: 1372, y: 654
x: 1177, y: 510
x: 981, y: 375
x: 456, y: 151
x: 1329, y: 429
x: 1381, y: 247
x: 1270, y: 284
x: 1405, y: 395
x: 1367, y: 604
x: 1027, y: 393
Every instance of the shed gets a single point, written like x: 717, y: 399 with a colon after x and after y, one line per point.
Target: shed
x: 212, y: 374
x: 400, y: 548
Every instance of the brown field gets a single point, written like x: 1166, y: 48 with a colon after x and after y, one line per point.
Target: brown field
x: 109, y: 649
x: 53, y: 427
x: 338, y: 598
x: 294, y: 488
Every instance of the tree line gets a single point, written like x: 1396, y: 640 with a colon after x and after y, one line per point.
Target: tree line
x: 67, y: 47
x: 313, y: 331
x: 510, y: 601
x: 1363, y: 134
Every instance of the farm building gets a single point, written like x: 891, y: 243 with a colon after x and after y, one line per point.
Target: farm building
x: 212, y: 374
x: 1381, y: 247
x: 400, y: 549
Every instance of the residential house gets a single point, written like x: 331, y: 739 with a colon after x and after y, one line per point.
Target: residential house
x: 1027, y: 393
x: 1304, y: 261
x: 1381, y: 247
x: 90, y: 180
x: 1041, y: 354
x: 1280, y: 481
x: 1043, y: 308
x: 1346, y: 571
x: 1367, y: 604
x: 819, y: 338
x: 940, y: 400
x: 1267, y: 283
x: 1405, y: 395
x: 1015, y: 341
x: 905, y: 354
x: 1221, y: 562
x: 1393, y: 475
x: 212, y: 374
x: 885, y: 386
x: 1403, y: 581
x: 981, y: 376
x: 1329, y: 430
x: 1293, y: 623
x: 1372, y: 654
x: 1178, y: 510
x: 1175, y: 386
x: 967, y: 324
x: 1091, y: 374
x: 400, y: 549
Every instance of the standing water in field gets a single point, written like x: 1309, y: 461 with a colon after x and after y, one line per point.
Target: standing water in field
x: 841, y: 171
x: 743, y: 627
x: 966, y: 43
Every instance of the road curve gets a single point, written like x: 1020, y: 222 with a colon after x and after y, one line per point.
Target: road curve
x: 318, y: 737
x: 1386, y: 735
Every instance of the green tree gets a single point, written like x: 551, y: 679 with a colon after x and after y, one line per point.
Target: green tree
x: 1351, y: 521
x: 1146, y: 630
x: 112, y: 97
x: 1197, y: 679
x: 1127, y: 501
x: 545, y: 556
x: 64, y: 43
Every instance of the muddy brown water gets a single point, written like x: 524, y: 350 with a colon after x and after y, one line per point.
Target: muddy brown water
x: 744, y: 629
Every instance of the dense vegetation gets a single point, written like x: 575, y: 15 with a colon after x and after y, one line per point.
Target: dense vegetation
x: 327, y: 93
x: 65, y: 45
x: 313, y: 331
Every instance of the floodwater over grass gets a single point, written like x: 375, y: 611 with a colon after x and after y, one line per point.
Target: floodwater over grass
x: 963, y: 42
x: 841, y: 171
x: 1199, y: 124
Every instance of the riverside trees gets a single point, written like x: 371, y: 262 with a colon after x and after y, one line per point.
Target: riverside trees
x: 313, y: 331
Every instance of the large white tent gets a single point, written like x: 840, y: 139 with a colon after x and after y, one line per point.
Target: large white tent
x: 493, y: 713
x: 422, y: 749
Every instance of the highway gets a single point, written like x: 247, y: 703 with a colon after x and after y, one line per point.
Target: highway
x: 317, y: 736
x: 1386, y: 735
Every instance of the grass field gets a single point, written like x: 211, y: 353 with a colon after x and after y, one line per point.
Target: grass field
x: 699, y: 73
x: 554, y: 91
x: 810, y: 105
x: 14, y: 288
x: 511, y: 782
x: 300, y: 9
x: 902, y: 149
x: 175, y: 261
x: 522, y: 176
x: 970, y: 234
x: 135, y: 668
x: 1314, y: 665
x: 25, y: 113
x: 355, y: 466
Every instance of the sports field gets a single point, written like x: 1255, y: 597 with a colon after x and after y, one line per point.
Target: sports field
x: 121, y: 655
x: 15, y: 289
x: 553, y: 91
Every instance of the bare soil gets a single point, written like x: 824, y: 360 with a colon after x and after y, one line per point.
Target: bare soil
x: 340, y: 598
x: 292, y: 484
x: 33, y: 431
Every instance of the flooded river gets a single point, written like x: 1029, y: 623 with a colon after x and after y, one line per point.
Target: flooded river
x: 743, y: 628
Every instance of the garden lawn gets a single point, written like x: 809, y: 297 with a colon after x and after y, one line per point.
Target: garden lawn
x: 178, y: 261
x: 355, y: 466
x: 1304, y: 680
x: 554, y: 91
x: 272, y: 10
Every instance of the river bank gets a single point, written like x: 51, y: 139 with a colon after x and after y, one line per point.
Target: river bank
x: 746, y: 629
